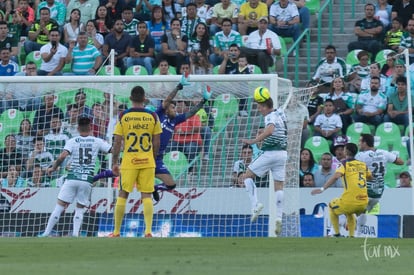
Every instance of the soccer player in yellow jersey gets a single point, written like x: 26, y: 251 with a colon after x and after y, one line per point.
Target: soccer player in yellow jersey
x: 354, y: 199
x: 138, y: 130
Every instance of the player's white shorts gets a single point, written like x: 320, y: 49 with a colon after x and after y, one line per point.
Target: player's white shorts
x: 71, y: 189
x: 274, y: 161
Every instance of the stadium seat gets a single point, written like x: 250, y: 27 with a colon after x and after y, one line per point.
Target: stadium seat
x: 355, y: 130
x: 106, y: 70
x: 392, y: 172
x: 287, y: 40
x: 171, y: 70
x: 224, y: 107
x: 401, y: 151
x: 62, y: 99
x: 176, y: 163
x: 10, y: 123
x: 313, y: 5
x: 93, y: 96
x: 30, y: 115
x: 136, y: 70
x: 35, y: 57
x: 318, y: 146
x: 67, y: 68
x: 351, y: 57
x: 381, y: 56
x: 389, y: 134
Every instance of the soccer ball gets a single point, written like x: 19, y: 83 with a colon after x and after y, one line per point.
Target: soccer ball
x: 261, y: 94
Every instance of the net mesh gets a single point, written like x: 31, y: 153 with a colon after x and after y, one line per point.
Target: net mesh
x: 207, y: 202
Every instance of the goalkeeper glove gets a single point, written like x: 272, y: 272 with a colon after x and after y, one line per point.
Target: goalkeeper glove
x: 183, y: 81
x: 207, y: 92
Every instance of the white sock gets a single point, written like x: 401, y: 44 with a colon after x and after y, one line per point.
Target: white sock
x: 77, y: 221
x: 279, y: 204
x: 251, y: 191
x: 361, y: 220
x: 54, y: 218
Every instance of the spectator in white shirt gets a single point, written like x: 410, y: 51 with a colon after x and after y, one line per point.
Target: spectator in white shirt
x: 261, y: 46
x: 53, y: 55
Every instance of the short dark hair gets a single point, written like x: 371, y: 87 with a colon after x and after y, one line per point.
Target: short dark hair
x: 398, y: 19
x: 351, y: 149
x: 174, y: 19
x: 309, y: 174
x: 330, y: 47
x: 376, y: 77
x: 69, y: 107
x: 368, y: 139
x: 84, y: 121
x: 268, y: 103
x: 247, y: 146
x: 80, y: 92
x: 191, y: 4
x: 329, y: 100
x: 137, y: 94
x: 226, y: 19
x: 44, y: 9
x: 401, y: 79
x: 127, y: 9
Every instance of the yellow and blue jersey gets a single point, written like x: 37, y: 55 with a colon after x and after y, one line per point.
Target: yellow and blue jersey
x: 354, y: 179
x: 138, y: 126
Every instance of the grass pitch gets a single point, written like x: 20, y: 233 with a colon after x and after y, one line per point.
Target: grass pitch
x: 206, y: 256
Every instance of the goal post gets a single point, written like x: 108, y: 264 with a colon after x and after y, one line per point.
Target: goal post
x: 206, y: 199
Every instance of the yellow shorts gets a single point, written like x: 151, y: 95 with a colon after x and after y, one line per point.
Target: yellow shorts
x: 338, y: 206
x: 144, y: 179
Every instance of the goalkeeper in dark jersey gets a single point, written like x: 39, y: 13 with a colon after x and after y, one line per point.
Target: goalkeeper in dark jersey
x: 169, y: 120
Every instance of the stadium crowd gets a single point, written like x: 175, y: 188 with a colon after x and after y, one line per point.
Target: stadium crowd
x: 75, y: 37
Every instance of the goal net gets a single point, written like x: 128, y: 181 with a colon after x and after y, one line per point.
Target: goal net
x: 208, y: 200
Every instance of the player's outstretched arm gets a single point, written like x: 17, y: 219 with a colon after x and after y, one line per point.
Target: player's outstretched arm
x: 328, y: 183
x: 57, y: 162
x: 207, y: 93
x: 183, y: 82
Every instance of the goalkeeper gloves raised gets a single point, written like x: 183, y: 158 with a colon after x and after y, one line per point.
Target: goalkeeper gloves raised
x: 207, y: 92
x: 184, y: 81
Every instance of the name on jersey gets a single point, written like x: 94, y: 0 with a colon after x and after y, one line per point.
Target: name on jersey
x: 139, y: 126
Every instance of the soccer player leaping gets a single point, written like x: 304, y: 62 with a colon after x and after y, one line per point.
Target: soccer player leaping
x: 273, y: 158
x: 169, y: 120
